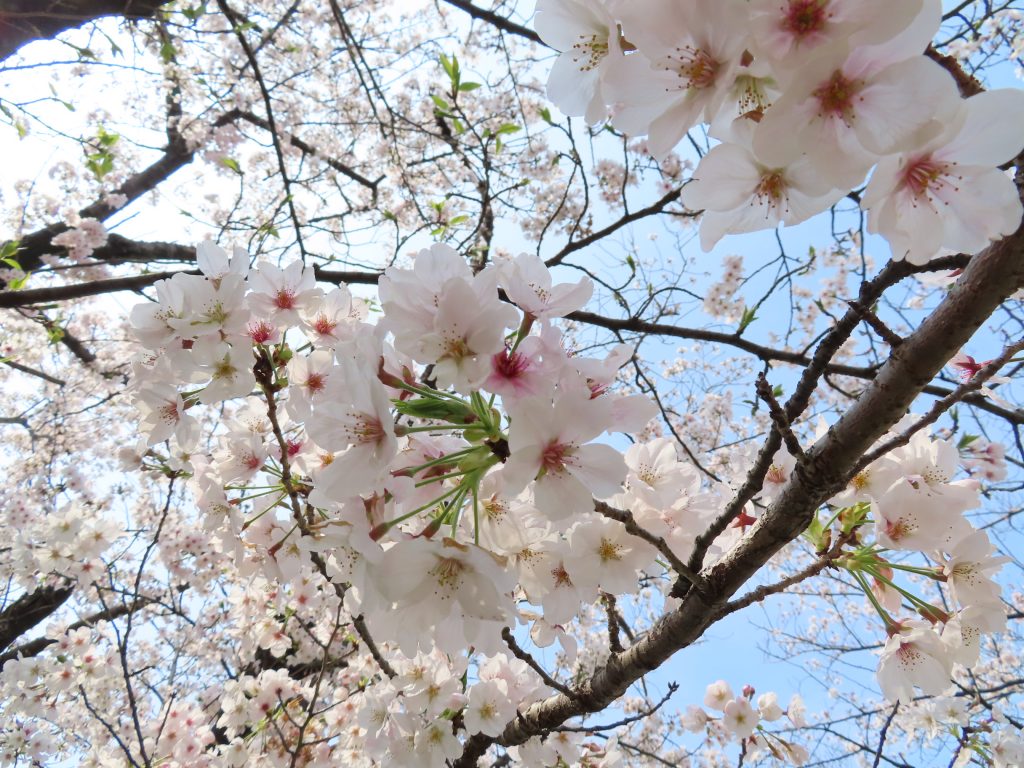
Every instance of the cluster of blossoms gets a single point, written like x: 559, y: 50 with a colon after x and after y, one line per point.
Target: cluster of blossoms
x: 741, y: 719
x: 441, y: 467
x: 441, y: 464
x: 806, y: 97
x: 906, y: 501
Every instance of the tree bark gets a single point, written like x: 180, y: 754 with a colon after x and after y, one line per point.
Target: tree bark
x: 990, y: 278
x: 22, y: 21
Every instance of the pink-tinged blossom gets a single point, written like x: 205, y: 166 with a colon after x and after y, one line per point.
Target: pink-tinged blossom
x: 467, y: 331
x: 162, y: 412
x: 947, y: 195
x: 307, y: 380
x: 740, y: 192
x: 82, y: 239
x: 930, y: 465
x: 588, y: 37
x: 845, y: 109
x: 217, y: 308
x: 214, y: 262
x: 768, y: 707
x: 912, y: 518
x: 550, y: 443
x: 410, y: 296
x: 914, y: 656
x: 436, y: 745
x: 334, y: 319
x: 656, y: 476
x: 684, y: 71
x: 281, y: 295
x: 717, y: 695
x: 530, y: 369
x: 527, y: 281
x: 441, y: 593
x: 694, y: 719
x: 984, y: 459
x: 155, y: 323
x: 969, y: 569
x: 229, y: 370
x: 963, y: 632
x: 787, y: 31
x: 489, y: 708
x: 355, y: 414
x: 242, y: 458
x: 739, y: 718
x: 603, y: 555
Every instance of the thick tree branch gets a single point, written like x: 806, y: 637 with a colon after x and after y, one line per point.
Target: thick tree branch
x: 22, y: 21
x: 988, y: 280
x: 30, y: 609
x: 32, y: 247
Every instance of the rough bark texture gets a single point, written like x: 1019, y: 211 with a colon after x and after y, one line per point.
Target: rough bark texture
x: 29, y: 610
x: 22, y: 21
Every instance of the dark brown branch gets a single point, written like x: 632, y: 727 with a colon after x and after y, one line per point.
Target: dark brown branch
x: 310, y: 150
x: 30, y: 609
x: 522, y: 655
x: 990, y: 278
x: 37, y: 646
x: 629, y: 218
x: 779, y: 418
x: 22, y: 21
x: 500, y: 22
x: 33, y: 372
x: 32, y: 247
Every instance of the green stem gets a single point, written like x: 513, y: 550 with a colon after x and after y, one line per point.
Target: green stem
x: 886, y: 618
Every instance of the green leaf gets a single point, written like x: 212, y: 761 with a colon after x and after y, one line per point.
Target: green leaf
x: 966, y: 440
x: 545, y: 115
x: 506, y: 128
x: 747, y: 319
x: 467, y: 87
x: 8, y: 250
x: 439, y: 102
x: 456, y: 412
x: 451, y: 68
x: 167, y: 52
x: 230, y: 162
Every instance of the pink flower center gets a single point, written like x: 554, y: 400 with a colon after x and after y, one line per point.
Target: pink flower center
x: 169, y: 413
x: 695, y: 66
x: 324, y: 326
x: 285, y: 299
x: 771, y: 189
x: 366, y: 429
x: 924, y: 176
x: 261, y: 331
x: 805, y: 17
x: 836, y: 97
x: 510, y: 365
x: 315, y: 382
x: 554, y: 456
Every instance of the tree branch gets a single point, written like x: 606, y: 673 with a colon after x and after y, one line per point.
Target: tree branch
x: 990, y: 278
x: 22, y: 21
